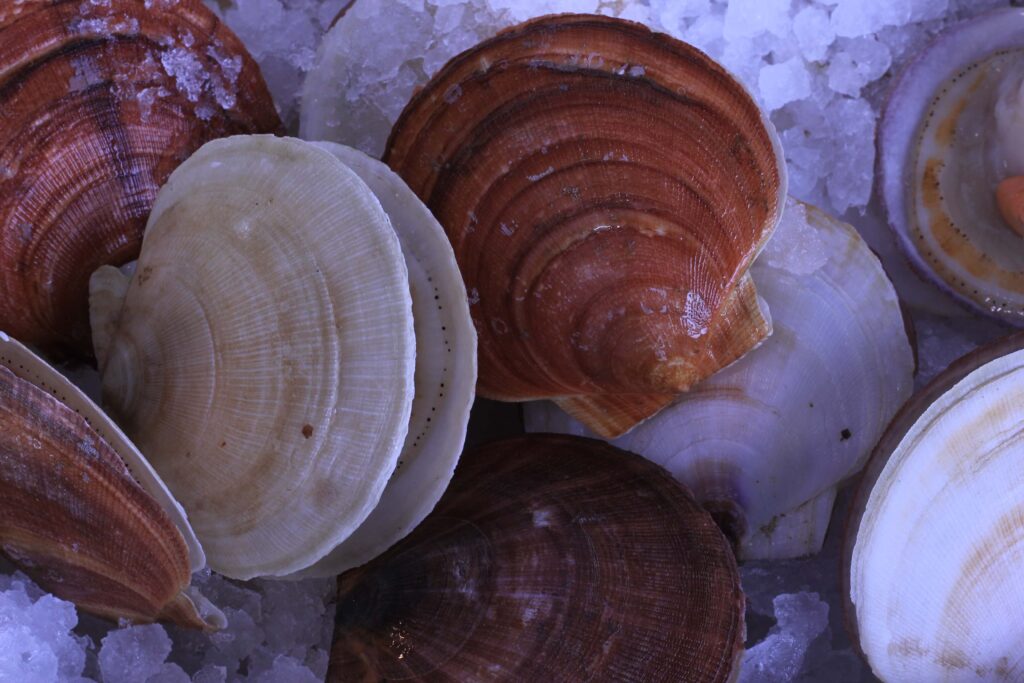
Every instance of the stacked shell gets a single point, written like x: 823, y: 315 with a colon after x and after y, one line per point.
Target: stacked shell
x: 934, y: 544
x: 264, y: 354
x: 605, y: 189
x: 952, y: 167
x: 764, y: 443
x: 550, y: 558
x: 81, y: 511
x: 99, y: 101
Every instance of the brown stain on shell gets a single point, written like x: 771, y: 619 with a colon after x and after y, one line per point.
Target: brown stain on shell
x: 75, y: 521
x: 578, y: 164
x: 549, y: 558
x: 92, y: 122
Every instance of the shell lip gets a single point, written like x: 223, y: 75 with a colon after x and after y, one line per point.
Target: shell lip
x: 908, y: 101
x: 900, y: 425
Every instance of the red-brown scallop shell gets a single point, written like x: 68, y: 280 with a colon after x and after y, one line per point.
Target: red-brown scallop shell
x: 605, y: 189
x: 99, y: 102
x: 71, y: 514
x: 550, y: 558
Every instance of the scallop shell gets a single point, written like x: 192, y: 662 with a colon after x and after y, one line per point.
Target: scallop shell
x: 264, y: 355
x: 445, y: 371
x: 80, y: 509
x: 605, y: 189
x: 934, y: 544
x: 944, y: 148
x: 99, y: 102
x: 764, y: 443
x: 550, y: 558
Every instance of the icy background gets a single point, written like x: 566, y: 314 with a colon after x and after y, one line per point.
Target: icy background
x: 823, y: 70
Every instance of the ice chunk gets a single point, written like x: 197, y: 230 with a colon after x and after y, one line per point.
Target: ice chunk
x: 671, y: 15
x: 850, y: 181
x: 134, y: 654
x: 285, y: 670
x: 282, y: 38
x: 748, y: 18
x: 813, y: 33
x: 783, y: 83
x: 211, y: 674
x: 852, y: 18
x: 859, y: 62
x: 169, y: 673
x: 795, y: 246
x: 800, y: 617
x: 36, y: 638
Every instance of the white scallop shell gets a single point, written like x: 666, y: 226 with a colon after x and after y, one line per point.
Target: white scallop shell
x: 935, y: 569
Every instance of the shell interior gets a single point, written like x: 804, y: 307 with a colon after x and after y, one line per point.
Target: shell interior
x: 941, y: 163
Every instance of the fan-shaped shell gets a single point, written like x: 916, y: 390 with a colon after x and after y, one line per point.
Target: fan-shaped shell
x: 99, y: 102
x: 264, y: 355
x: 550, y: 558
x: 81, y: 511
x: 605, y: 190
x: 934, y: 544
x: 445, y: 371
x: 949, y: 135
x: 764, y: 442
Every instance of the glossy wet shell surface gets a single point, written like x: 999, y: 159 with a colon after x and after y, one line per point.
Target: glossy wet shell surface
x: 72, y: 517
x: 549, y: 558
x: 99, y: 102
x: 605, y: 189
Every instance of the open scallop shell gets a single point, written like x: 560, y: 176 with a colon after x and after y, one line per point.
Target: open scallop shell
x: 82, y: 512
x: 550, y: 558
x: 100, y: 101
x: 944, y: 149
x: 264, y: 355
x: 445, y: 371
x: 605, y: 189
x: 764, y: 443
x: 934, y: 546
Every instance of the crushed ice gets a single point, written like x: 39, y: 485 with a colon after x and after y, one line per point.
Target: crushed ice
x: 277, y: 632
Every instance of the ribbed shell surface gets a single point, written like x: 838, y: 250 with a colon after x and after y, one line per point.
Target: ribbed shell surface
x: 72, y: 517
x: 605, y: 189
x: 99, y: 102
x: 550, y: 558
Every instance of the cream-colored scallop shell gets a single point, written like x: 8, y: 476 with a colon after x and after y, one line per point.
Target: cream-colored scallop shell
x: 264, y: 355
x: 445, y: 370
